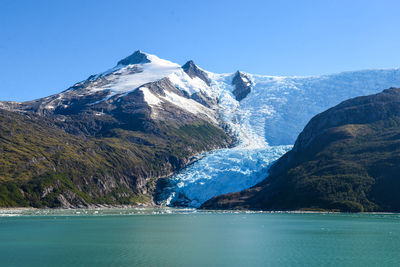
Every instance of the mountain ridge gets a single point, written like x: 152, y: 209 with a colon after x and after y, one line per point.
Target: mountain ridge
x: 262, y: 120
x: 345, y: 159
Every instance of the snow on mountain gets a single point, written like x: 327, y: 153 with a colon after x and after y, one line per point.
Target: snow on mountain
x: 149, y: 97
x: 185, y: 103
x: 266, y: 113
x: 284, y: 105
x: 141, y: 68
x: 277, y: 108
x: 266, y: 121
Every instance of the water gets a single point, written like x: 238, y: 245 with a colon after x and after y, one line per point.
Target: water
x: 189, y: 238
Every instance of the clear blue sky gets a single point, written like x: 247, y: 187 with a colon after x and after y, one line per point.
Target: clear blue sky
x: 46, y: 46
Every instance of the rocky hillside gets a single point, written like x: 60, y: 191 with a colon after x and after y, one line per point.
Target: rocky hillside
x: 346, y: 158
x: 108, y: 139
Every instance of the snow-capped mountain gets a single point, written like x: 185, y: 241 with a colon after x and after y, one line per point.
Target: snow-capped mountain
x: 159, y: 82
x: 267, y: 121
x: 265, y: 113
x: 109, y: 138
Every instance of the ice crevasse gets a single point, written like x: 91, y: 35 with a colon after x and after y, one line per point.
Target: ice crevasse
x: 267, y: 122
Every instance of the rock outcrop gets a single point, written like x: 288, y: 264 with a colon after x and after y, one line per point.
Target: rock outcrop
x: 242, y: 85
x: 194, y: 71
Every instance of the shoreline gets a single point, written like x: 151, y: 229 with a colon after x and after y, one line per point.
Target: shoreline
x: 94, y: 209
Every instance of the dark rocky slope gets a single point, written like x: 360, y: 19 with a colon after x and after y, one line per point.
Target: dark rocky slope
x: 194, y: 71
x: 41, y: 165
x: 89, y: 146
x: 346, y: 158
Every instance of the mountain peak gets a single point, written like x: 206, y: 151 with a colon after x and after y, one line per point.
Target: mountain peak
x: 239, y: 74
x: 189, y: 64
x: 194, y: 71
x: 137, y: 57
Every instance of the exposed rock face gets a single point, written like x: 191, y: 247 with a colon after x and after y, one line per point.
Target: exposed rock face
x: 346, y: 158
x: 242, y: 85
x: 193, y: 71
x: 204, y: 100
x: 136, y: 58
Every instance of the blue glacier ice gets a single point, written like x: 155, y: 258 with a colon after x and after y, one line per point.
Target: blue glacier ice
x: 219, y: 172
x: 266, y: 123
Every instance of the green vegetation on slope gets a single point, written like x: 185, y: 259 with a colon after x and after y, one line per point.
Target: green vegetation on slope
x: 346, y: 159
x: 43, y: 166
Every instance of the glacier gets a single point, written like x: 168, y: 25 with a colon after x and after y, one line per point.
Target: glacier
x: 219, y: 172
x: 266, y: 123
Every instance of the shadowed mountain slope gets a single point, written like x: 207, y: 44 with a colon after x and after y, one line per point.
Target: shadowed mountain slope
x: 346, y: 158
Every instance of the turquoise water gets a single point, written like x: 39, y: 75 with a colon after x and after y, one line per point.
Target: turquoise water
x: 188, y: 238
